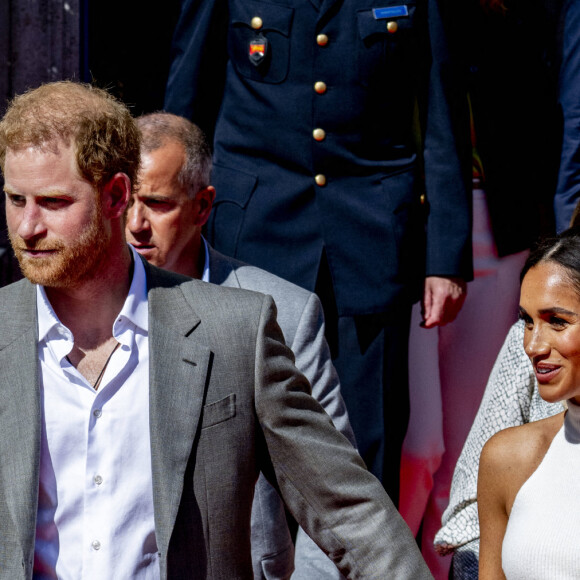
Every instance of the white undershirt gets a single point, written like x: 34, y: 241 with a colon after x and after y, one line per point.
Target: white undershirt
x: 95, y: 513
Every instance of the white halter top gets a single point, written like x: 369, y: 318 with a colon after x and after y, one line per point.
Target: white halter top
x: 542, y: 539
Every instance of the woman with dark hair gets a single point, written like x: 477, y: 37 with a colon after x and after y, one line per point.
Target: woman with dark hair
x: 529, y: 476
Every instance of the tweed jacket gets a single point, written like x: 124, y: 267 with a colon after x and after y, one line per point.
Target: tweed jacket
x: 511, y: 398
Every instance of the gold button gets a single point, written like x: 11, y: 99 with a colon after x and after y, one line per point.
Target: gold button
x: 320, y: 87
x: 257, y: 23
x: 392, y: 27
x: 320, y: 180
x: 322, y: 40
x: 319, y: 134
x: 423, y: 199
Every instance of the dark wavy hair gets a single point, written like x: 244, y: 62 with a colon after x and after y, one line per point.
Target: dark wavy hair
x: 563, y: 250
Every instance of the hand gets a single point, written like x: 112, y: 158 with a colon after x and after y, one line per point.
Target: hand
x: 442, y: 300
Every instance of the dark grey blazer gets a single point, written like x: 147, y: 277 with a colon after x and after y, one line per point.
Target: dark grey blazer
x: 226, y: 402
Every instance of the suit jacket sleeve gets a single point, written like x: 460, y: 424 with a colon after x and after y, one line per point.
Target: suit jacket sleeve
x: 321, y: 478
x: 313, y: 359
x: 568, y: 189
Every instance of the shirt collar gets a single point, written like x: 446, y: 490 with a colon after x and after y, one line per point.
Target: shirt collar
x: 205, y: 275
x: 134, y: 309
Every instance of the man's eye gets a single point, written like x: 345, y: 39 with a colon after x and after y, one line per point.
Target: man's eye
x: 158, y: 204
x: 16, y: 200
x: 53, y: 203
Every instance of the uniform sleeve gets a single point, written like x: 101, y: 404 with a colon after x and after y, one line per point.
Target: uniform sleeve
x: 447, y: 157
x: 321, y: 478
x: 198, y: 63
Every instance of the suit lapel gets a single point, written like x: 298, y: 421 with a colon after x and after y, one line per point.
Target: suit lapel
x: 20, y: 412
x: 178, y: 370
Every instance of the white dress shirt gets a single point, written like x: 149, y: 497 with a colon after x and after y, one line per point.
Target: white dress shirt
x: 95, y: 512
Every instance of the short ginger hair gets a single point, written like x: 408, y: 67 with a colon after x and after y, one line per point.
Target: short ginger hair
x: 100, y: 128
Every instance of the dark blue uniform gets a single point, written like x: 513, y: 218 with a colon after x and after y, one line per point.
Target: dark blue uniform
x: 312, y: 107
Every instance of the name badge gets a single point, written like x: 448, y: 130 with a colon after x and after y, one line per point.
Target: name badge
x: 390, y: 12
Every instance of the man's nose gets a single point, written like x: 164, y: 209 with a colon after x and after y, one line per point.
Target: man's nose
x: 137, y: 219
x: 31, y: 225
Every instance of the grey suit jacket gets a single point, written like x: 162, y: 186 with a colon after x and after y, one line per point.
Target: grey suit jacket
x: 226, y: 402
x: 299, y: 314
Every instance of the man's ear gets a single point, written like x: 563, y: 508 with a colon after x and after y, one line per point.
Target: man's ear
x: 204, y: 200
x: 116, y: 195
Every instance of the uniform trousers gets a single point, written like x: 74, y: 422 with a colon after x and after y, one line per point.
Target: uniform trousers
x: 370, y: 354
x: 448, y: 370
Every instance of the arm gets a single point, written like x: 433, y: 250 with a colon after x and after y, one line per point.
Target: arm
x: 321, y: 478
x: 568, y: 189
x: 313, y: 359
x: 447, y: 156
x: 493, y: 515
x: 198, y: 62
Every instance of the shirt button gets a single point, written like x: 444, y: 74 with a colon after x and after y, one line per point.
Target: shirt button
x: 320, y: 180
x: 319, y: 134
x: 257, y: 23
x: 97, y: 413
x: 392, y: 27
x: 98, y: 479
x: 322, y: 40
x: 320, y: 87
x: 96, y: 545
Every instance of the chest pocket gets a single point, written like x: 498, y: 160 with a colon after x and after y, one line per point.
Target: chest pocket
x: 388, y: 40
x: 219, y: 411
x: 257, y: 25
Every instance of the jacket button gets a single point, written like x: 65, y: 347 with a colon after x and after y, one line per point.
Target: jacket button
x: 319, y: 134
x: 257, y: 23
x: 423, y: 199
x: 392, y: 26
x: 320, y: 180
x: 320, y: 87
x: 322, y: 40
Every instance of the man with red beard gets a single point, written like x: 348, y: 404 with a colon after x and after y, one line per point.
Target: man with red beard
x: 138, y: 406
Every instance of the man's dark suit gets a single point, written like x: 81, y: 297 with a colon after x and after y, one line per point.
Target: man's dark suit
x: 511, y: 73
x: 225, y: 402
x: 316, y: 170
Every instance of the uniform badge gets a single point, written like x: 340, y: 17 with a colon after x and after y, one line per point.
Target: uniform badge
x: 257, y: 50
x: 391, y: 12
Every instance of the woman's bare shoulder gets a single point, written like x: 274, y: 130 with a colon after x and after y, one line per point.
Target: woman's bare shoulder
x: 522, y: 444
x: 512, y: 455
